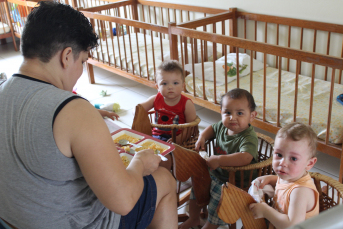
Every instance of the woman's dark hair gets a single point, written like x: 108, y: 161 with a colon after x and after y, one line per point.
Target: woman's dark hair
x: 51, y: 27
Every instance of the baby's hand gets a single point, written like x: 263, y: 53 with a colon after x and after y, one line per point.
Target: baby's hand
x: 200, y: 144
x: 213, y: 162
x: 258, y: 209
x: 264, y: 180
x: 108, y: 114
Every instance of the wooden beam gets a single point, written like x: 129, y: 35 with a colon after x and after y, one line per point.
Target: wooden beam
x: 129, y: 22
x: 207, y: 20
x: 183, y: 7
x: 108, y: 6
x: 315, y: 58
x: 336, y: 28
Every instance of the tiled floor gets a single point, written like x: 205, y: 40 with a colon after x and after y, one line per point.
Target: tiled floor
x: 128, y: 93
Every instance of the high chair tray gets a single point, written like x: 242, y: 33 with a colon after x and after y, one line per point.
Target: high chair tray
x: 146, y: 141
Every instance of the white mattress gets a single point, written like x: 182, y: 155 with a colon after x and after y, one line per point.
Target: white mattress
x: 320, y: 100
x: 4, y: 28
x: 103, y: 52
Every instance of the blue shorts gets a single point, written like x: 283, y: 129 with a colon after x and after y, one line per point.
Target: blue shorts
x: 141, y: 215
x: 163, y: 137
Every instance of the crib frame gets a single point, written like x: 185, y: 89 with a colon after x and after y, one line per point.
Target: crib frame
x: 4, y: 18
x: 138, y: 22
x: 189, y: 31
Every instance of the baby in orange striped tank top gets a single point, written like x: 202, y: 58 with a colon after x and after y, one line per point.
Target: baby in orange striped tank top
x: 296, y: 197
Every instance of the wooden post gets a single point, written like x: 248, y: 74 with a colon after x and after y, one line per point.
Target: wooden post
x: 233, y: 27
x: 11, y: 25
x: 340, y: 179
x: 90, y: 73
x: 173, y: 43
x: 134, y: 8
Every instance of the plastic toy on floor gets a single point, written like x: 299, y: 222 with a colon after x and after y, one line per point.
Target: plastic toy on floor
x: 340, y: 99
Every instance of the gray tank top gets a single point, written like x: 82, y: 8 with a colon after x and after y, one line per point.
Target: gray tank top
x: 39, y: 186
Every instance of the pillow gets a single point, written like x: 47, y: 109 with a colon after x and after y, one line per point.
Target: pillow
x: 4, y: 28
x: 244, y: 68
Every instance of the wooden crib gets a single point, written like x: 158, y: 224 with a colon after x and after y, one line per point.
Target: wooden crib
x: 6, y: 28
x: 295, y: 73
x: 134, y: 36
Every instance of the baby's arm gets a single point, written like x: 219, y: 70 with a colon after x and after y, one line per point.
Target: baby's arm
x: 149, y: 104
x: 208, y: 133
x: 108, y: 114
x: 301, y: 200
x: 190, y: 115
x: 234, y: 159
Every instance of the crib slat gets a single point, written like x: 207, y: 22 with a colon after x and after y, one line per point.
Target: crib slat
x: 251, y: 72
x: 146, y: 55
x: 203, y: 72
x: 330, y: 106
x: 214, y: 44
x: 143, y: 15
x: 108, y: 53
x: 186, y: 49
x: 255, y: 38
x: 193, y: 69
x: 265, y: 32
x: 181, y: 16
x: 124, y: 45
x: 161, y: 43
x: 279, y: 93
x: 277, y: 43
x: 225, y: 55
x: 182, y: 62
x: 327, y: 53
x: 289, y: 44
x: 139, y: 59
x: 119, y: 51
x: 264, y: 85
x: 195, y: 50
x: 129, y: 34
x: 214, y: 77
x: 296, y: 91
x: 237, y: 60
x: 340, y: 71
x: 153, y: 54
x: 312, y: 94
x: 175, y: 16
x: 301, y: 44
x: 164, y: 36
x: 114, y: 54
x: 245, y: 33
x: 102, y: 53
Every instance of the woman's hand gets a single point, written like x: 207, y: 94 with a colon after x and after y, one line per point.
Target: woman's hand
x: 149, y: 159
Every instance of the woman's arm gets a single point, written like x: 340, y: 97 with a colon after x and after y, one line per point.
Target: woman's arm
x: 80, y: 131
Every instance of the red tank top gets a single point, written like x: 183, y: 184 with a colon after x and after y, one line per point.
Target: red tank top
x: 167, y: 115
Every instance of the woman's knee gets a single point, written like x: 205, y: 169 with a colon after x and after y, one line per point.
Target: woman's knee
x: 164, y: 178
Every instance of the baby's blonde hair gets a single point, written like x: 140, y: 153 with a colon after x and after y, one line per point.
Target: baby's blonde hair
x: 298, y: 131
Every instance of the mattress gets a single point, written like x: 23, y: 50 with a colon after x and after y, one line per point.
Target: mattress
x: 106, y: 53
x: 4, y: 28
x: 320, y: 99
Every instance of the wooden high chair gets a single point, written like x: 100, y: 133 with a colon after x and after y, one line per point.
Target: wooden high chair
x: 143, y: 122
x: 262, y: 167
x: 330, y: 194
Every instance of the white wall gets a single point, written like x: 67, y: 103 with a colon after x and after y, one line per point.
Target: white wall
x: 330, y: 11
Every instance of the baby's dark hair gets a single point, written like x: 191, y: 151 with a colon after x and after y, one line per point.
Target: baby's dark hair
x: 170, y: 66
x: 298, y: 131
x: 51, y: 27
x: 239, y: 93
